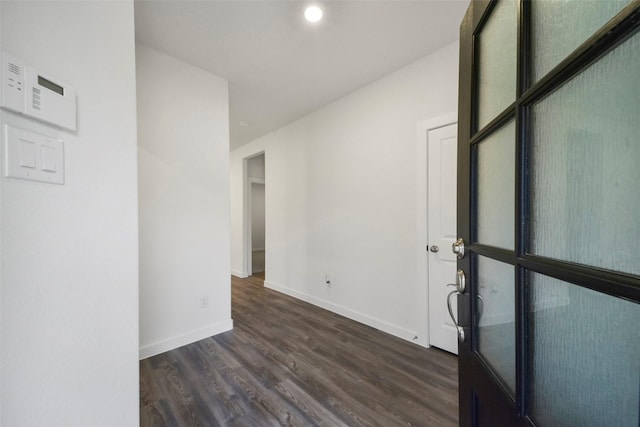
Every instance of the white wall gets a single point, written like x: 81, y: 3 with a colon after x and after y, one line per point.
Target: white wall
x: 183, y: 143
x: 341, y: 198
x: 255, y: 167
x: 69, y: 263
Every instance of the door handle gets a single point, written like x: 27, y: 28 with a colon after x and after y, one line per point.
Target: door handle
x: 459, y: 328
x: 434, y: 248
x: 460, y: 285
x: 461, y: 281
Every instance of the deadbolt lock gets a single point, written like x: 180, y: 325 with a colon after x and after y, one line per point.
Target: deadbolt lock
x: 458, y: 248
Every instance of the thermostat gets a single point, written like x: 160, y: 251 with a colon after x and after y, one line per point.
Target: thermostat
x: 27, y: 91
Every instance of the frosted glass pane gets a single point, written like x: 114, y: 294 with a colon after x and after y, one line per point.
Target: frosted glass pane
x: 497, y: 45
x: 496, y: 318
x: 496, y: 188
x: 551, y: 42
x: 585, y: 174
x: 585, y: 350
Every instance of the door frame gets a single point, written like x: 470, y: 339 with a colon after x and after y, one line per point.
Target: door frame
x: 422, y: 257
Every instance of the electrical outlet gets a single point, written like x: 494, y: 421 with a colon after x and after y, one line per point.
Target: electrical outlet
x: 204, y: 302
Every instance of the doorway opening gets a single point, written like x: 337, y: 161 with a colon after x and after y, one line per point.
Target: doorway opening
x: 255, y: 244
x: 257, y: 227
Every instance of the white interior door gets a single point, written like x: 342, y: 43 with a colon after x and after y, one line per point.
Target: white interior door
x: 441, y: 228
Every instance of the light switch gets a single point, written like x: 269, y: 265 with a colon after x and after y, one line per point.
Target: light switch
x: 49, y: 163
x: 27, y: 154
x: 34, y: 157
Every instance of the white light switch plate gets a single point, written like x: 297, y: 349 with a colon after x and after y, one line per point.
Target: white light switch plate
x: 34, y: 157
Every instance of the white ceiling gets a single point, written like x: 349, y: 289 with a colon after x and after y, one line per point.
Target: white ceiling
x: 279, y: 66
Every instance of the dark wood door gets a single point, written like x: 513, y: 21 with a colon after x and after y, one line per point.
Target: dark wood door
x: 549, y: 212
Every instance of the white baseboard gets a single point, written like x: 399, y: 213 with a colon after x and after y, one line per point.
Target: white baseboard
x: 240, y: 274
x: 346, y: 312
x: 188, y: 338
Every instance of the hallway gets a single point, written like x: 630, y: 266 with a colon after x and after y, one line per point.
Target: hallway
x: 290, y: 363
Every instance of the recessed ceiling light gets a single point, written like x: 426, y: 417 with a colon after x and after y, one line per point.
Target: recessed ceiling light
x: 313, y: 14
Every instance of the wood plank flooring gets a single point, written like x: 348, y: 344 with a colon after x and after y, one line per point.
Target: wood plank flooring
x: 289, y: 363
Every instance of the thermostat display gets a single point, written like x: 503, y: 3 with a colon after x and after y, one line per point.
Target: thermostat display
x: 50, y: 85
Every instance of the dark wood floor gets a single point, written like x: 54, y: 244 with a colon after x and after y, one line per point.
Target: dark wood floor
x: 289, y: 363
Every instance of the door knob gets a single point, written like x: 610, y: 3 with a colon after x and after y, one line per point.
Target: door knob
x: 434, y: 248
